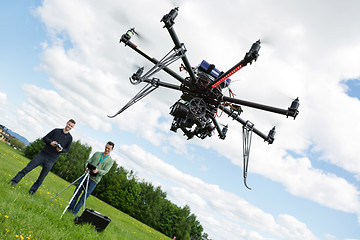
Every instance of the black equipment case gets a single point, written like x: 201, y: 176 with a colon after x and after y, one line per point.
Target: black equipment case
x: 95, y: 218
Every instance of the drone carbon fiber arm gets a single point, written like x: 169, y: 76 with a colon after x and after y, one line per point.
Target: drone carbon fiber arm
x: 168, y: 20
x: 250, y: 56
x: 126, y: 40
x: 235, y: 115
x: 292, y: 111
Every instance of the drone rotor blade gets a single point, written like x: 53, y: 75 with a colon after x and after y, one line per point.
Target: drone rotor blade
x: 175, y: 3
x: 141, y: 37
x: 266, y: 39
x: 124, y: 19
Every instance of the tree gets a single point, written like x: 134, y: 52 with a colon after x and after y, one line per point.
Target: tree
x: 168, y: 219
x: 183, y: 227
x: 205, y: 235
x: 34, y: 148
x: 150, y: 204
x: 141, y: 200
x: 17, y: 143
x: 71, y: 165
x: 196, y: 228
x: 121, y: 191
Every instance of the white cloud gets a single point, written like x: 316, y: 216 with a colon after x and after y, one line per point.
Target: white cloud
x: 302, y: 55
x: 207, y: 198
x: 330, y: 237
x: 3, y: 98
x: 301, y: 179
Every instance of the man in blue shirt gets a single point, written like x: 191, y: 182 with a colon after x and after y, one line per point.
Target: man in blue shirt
x: 56, y: 142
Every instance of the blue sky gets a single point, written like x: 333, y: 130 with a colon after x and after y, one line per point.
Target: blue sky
x: 62, y: 59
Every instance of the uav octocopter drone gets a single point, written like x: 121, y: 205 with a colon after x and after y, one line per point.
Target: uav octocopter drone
x: 202, y: 95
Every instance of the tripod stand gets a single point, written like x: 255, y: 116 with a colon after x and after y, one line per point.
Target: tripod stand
x: 86, y: 177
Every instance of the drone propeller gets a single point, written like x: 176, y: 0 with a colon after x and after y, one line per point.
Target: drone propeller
x: 128, y: 35
x: 140, y: 36
x: 175, y: 3
x: 124, y: 20
x: 284, y: 95
x: 266, y: 40
x: 135, y: 66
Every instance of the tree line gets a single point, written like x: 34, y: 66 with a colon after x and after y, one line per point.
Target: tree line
x: 14, y: 142
x: 123, y: 190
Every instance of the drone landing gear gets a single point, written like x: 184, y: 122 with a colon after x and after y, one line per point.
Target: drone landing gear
x: 143, y: 92
x: 247, y: 134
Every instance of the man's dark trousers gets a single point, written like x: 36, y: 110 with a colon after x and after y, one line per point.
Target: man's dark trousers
x: 43, y: 159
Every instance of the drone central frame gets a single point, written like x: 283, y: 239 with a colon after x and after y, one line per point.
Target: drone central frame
x: 202, y: 95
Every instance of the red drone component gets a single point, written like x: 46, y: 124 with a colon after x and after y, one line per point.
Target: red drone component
x: 227, y: 76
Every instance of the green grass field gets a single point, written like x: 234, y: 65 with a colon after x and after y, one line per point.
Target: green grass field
x: 23, y: 216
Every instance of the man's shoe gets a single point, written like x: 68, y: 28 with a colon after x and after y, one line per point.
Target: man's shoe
x: 31, y: 192
x: 12, y: 183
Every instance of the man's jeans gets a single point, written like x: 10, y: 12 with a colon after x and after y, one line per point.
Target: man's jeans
x: 41, y: 159
x: 75, y: 207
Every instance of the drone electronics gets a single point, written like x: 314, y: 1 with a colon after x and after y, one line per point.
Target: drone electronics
x: 194, y: 114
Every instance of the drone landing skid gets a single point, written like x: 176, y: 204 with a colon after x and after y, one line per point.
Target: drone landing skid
x: 247, y: 135
x: 143, y: 93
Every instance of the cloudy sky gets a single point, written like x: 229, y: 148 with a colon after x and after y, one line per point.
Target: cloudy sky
x: 62, y: 59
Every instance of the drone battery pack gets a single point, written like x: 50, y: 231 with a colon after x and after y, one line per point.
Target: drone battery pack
x: 214, y: 72
x: 209, y: 68
x: 94, y: 218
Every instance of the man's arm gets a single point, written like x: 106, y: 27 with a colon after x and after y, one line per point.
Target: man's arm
x: 91, y: 160
x: 48, y: 137
x: 105, y: 168
x: 66, y: 148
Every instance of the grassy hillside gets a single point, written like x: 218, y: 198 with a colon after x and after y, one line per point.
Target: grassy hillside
x: 33, y: 217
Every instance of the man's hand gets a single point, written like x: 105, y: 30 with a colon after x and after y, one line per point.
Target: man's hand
x: 53, y: 143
